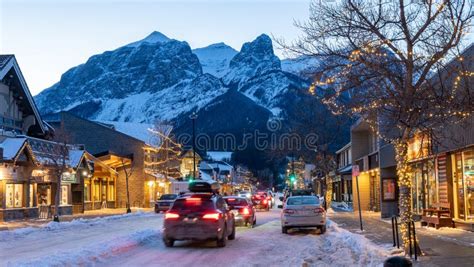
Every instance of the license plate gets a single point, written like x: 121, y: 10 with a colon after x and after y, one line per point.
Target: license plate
x: 190, y: 220
x: 235, y: 212
x: 257, y: 202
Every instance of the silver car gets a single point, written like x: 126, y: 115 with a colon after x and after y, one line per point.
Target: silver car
x: 303, y: 212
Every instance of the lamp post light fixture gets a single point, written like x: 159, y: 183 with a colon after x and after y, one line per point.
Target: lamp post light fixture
x: 193, y: 117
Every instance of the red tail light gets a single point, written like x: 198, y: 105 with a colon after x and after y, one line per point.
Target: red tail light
x: 245, y: 211
x: 264, y: 201
x: 318, y: 210
x: 170, y: 215
x: 288, y: 211
x: 212, y: 216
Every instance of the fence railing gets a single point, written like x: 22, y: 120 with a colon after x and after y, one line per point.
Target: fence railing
x: 412, y: 240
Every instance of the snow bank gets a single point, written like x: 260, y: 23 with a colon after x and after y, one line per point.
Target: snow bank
x: 78, y: 224
x: 346, y: 248
x: 95, y: 253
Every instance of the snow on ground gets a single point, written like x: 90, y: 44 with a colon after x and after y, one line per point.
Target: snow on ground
x: 135, y: 240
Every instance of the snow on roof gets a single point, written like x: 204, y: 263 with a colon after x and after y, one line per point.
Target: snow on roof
x: 219, y: 155
x: 75, y: 157
x: 11, y: 147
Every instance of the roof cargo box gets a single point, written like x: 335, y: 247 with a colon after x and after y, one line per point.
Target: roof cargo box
x: 201, y: 186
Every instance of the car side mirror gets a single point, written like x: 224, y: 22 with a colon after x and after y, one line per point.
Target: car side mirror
x: 280, y: 206
x: 281, y: 198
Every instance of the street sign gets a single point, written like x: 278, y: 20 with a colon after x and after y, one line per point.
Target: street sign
x: 355, y: 170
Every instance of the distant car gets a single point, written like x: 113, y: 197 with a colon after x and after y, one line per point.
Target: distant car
x: 303, y: 212
x: 165, y: 202
x: 199, y: 216
x: 244, y: 211
x: 260, y: 201
x: 245, y: 194
x: 271, y: 197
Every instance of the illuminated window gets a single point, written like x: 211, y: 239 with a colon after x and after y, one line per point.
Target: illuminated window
x: 14, y: 196
x: 64, y: 195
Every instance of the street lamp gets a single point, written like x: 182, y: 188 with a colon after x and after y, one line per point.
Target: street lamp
x: 193, y: 117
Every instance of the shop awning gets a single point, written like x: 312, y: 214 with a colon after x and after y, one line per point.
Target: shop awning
x: 345, y: 170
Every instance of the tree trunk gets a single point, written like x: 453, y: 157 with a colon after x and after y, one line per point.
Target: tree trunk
x: 57, y: 197
x: 328, y: 195
x: 128, y: 192
x: 404, y: 183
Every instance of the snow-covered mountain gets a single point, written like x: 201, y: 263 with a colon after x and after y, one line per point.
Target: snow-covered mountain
x: 159, y: 78
x: 215, y: 58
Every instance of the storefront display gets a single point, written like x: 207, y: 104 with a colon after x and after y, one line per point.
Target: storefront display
x: 464, y: 185
x: 14, y: 195
x: 424, y: 186
x: 388, y: 187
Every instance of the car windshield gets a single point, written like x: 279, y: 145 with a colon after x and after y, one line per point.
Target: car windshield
x: 168, y: 197
x: 193, y: 204
x: 236, y: 201
x: 302, y: 201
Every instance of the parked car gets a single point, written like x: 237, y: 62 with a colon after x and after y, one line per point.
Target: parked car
x: 165, y: 202
x: 271, y: 198
x: 260, y: 201
x: 199, y: 216
x: 244, y: 211
x: 303, y: 212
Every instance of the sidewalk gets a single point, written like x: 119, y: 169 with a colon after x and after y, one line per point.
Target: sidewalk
x: 444, y: 247
x: 11, y: 225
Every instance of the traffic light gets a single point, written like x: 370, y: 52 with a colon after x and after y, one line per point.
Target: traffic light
x: 292, y: 177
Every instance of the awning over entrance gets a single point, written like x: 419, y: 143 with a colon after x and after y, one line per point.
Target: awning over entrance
x: 345, y: 170
x: 115, y: 161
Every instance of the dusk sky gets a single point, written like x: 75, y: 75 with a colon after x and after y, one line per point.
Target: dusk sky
x: 50, y: 36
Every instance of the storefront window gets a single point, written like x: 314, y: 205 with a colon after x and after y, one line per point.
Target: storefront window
x: 96, y: 191
x: 44, y: 194
x: 111, y: 194
x: 64, y: 194
x: 14, y: 195
x: 469, y: 183
x: 31, y: 195
x: 87, y: 191
x: 424, y: 186
x: 464, y: 185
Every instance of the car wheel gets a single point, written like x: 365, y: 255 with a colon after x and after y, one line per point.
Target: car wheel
x: 249, y: 224
x: 284, y: 230
x: 323, y: 229
x: 168, y: 242
x: 221, y: 242
x: 232, y: 235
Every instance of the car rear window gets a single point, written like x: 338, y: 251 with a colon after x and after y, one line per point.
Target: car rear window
x: 168, y: 197
x: 303, y: 201
x: 236, y: 202
x: 193, y: 204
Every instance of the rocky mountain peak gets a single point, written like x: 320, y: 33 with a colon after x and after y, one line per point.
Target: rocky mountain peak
x: 152, y: 38
x: 254, y: 59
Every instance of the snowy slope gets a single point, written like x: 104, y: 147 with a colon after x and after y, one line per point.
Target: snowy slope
x: 215, y: 58
x: 159, y: 78
x: 303, y: 66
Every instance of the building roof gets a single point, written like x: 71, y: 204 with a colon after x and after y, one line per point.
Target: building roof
x: 348, y: 145
x: 8, y: 63
x: 4, y: 59
x: 13, y: 147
